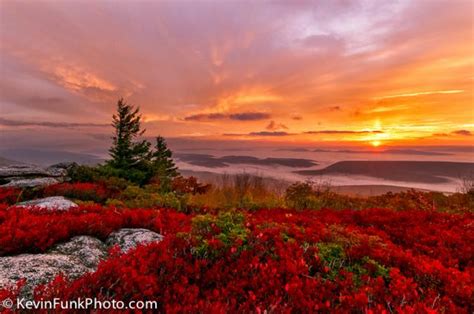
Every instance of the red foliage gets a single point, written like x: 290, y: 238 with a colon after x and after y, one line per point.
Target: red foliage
x: 189, y: 185
x: 9, y: 195
x: 410, y: 262
x: 24, y: 230
x: 81, y: 191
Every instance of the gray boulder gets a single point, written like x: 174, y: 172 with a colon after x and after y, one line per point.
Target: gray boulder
x: 38, y: 269
x: 88, y: 250
x: 27, y: 171
x: 74, y: 258
x: 128, y: 239
x: 30, y: 183
x: 80, y: 255
x: 27, y: 176
x: 60, y: 169
x: 49, y: 203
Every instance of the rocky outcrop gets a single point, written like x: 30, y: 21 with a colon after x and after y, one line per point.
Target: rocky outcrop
x: 127, y: 239
x: 30, y: 183
x: 74, y: 258
x: 22, y: 175
x: 49, y: 203
x: 24, y: 171
x: 88, y: 250
x: 38, y: 269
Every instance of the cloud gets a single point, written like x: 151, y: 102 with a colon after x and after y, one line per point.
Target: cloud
x: 242, y: 116
x: 297, y: 117
x: 267, y: 133
x: 206, y: 117
x: 287, y: 59
x: 249, y: 116
x: 8, y: 122
x: 335, y: 108
x: 261, y: 133
x: 273, y: 126
x: 324, y: 43
x: 343, y: 132
x: 454, y: 133
x: 283, y: 133
x: 453, y: 91
x: 462, y: 132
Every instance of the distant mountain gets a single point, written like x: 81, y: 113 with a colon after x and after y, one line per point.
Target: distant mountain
x: 408, y: 171
x: 394, y: 151
x: 211, y: 161
x: 387, y: 151
x: 8, y: 162
x: 47, y: 157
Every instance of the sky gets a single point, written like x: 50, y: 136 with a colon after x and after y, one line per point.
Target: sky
x: 368, y: 73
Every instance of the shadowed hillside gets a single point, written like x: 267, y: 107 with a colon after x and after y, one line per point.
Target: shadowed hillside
x: 410, y: 171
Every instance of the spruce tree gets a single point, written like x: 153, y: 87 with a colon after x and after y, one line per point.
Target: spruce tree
x: 163, y: 165
x: 127, y: 151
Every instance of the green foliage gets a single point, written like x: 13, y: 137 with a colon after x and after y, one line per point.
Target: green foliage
x: 127, y: 151
x: 300, y: 195
x: 163, y: 167
x: 333, y: 256
x: 82, y: 173
x: 149, y: 196
x: 226, y: 229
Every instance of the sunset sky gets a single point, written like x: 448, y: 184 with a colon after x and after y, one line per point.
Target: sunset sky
x: 367, y: 72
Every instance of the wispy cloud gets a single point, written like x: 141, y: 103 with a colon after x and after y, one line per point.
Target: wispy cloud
x: 283, y: 133
x: 285, y: 62
x: 273, y: 126
x: 261, y: 133
x: 452, y: 91
x: 8, y: 122
x: 241, y: 116
x: 268, y: 133
x: 454, y: 133
x: 462, y: 132
x: 343, y: 132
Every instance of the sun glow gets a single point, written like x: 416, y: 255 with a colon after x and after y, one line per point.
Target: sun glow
x: 376, y: 143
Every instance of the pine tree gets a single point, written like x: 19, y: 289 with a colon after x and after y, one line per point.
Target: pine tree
x: 127, y: 151
x: 163, y: 165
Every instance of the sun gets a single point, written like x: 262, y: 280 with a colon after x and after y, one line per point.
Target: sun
x: 376, y: 143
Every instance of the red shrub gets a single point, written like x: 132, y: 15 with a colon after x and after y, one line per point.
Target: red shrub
x: 9, y: 195
x: 80, y: 191
x: 24, y: 230
x: 191, y: 185
x: 369, y: 261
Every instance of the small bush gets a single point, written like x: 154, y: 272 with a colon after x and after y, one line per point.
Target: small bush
x: 300, y: 195
x: 10, y: 195
x: 78, y: 191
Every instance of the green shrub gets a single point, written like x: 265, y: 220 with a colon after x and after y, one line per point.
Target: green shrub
x: 299, y: 195
x: 227, y: 228
x: 82, y: 173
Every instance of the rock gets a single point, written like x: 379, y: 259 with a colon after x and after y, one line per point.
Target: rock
x: 73, y: 259
x: 60, y: 169
x: 26, y: 176
x: 29, y: 183
x: 38, y: 269
x: 127, y: 239
x: 23, y: 171
x: 49, y: 203
x: 89, y: 250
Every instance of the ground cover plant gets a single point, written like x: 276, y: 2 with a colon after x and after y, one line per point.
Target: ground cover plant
x: 275, y: 260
